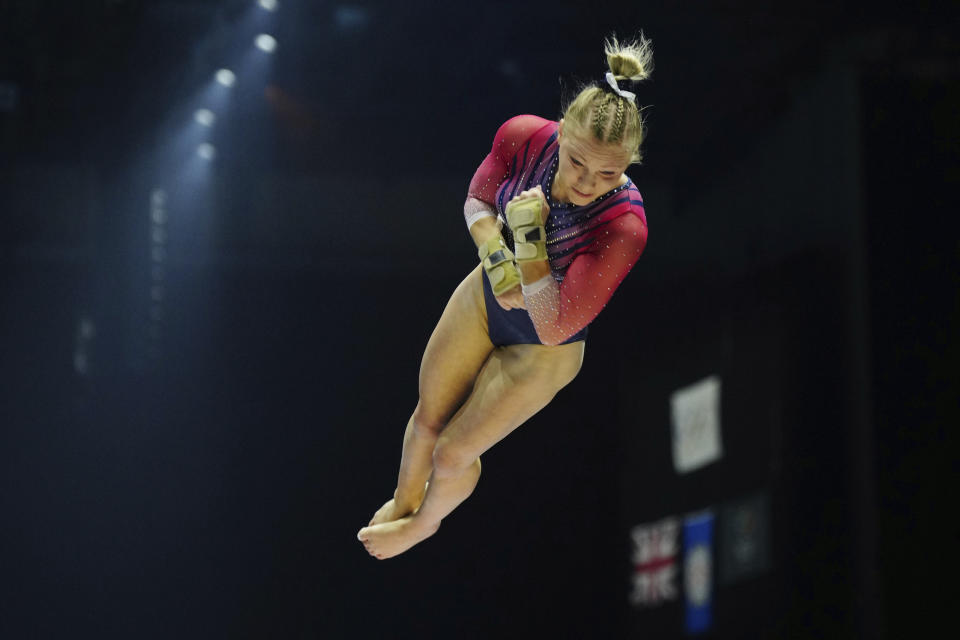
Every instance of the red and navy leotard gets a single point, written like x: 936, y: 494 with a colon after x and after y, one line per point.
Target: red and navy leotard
x: 590, y: 248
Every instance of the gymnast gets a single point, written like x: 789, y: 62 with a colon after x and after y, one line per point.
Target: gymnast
x: 557, y: 225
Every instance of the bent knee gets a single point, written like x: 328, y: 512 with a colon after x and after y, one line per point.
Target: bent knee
x: 450, y: 460
x: 428, y: 422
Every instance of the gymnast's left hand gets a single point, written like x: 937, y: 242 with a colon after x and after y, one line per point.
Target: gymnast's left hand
x: 536, y: 192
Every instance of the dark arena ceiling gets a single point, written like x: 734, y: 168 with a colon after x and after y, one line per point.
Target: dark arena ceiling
x: 364, y: 82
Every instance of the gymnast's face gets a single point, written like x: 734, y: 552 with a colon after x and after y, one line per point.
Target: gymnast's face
x: 587, y: 167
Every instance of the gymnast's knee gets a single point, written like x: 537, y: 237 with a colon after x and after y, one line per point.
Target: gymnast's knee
x: 449, y: 460
x: 426, y: 422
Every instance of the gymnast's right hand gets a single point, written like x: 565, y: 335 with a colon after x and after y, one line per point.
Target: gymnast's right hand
x: 502, y: 272
x: 512, y: 299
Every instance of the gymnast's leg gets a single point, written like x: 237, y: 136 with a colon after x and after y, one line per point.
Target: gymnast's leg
x: 514, y: 384
x: 454, y: 356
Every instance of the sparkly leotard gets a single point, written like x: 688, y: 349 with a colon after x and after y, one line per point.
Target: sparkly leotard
x: 590, y: 248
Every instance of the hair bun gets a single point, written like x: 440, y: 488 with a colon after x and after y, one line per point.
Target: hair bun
x: 631, y: 60
x: 624, y: 67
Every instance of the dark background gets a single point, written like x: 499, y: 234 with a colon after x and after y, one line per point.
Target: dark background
x: 190, y: 441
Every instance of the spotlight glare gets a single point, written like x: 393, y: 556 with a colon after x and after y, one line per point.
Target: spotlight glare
x: 226, y: 77
x: 205, y: 117
x: 269, y: 5
x: 207, y: 151
x: 266, y: 43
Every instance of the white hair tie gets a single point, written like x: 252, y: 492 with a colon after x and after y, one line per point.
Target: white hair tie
x: 616, y: 88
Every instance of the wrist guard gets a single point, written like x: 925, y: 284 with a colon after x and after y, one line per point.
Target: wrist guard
x: 498, y: 263
x: 529, y: 236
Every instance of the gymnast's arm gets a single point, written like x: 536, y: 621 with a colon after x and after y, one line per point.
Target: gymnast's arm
x: 558, y: 311
x: 486, y: 227
x: 482, y: 221
x: 478, y: 210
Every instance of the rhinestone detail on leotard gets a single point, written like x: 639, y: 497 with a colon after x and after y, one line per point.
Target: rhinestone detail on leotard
x: 590, y: 247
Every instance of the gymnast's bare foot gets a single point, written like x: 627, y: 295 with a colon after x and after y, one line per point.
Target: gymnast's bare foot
x: 393, y: 538
x: 394, y: 510
x: 390, y: 511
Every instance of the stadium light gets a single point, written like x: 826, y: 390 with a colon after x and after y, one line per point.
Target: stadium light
x: 207, y: 151
x: 205, y: 117
x: 226, y: 77
x: 266, y: 43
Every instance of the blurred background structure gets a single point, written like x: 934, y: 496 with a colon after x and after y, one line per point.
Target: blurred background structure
x: 212, y: 321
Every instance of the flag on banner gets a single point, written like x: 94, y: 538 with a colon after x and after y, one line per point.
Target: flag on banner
x: 695, y: 425
x: 655, y: 562
x: 744, y: 532
x: 698, y: 570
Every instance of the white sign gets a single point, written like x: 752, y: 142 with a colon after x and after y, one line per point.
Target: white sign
x: 695, y: 419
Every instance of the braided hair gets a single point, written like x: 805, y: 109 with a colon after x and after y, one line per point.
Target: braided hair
x: 603, y: 110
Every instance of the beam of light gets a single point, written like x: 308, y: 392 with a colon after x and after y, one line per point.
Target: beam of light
x: 214, y: 98
x: 86, y: 332
x: 269, y: 5
x: 226, y: 77
x: 266, y: 42
x: 205, y: 117
x: 206, y: 151
x: 181, y: 141
x: 158, y: 199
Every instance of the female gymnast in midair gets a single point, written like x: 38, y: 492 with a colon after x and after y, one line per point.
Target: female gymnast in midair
x: 558, y: 225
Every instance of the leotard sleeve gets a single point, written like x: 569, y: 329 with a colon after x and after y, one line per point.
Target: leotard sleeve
x: 497, y: 166
x: 558, y: 311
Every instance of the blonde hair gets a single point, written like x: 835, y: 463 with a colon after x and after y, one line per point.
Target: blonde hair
x: 610, y: 117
